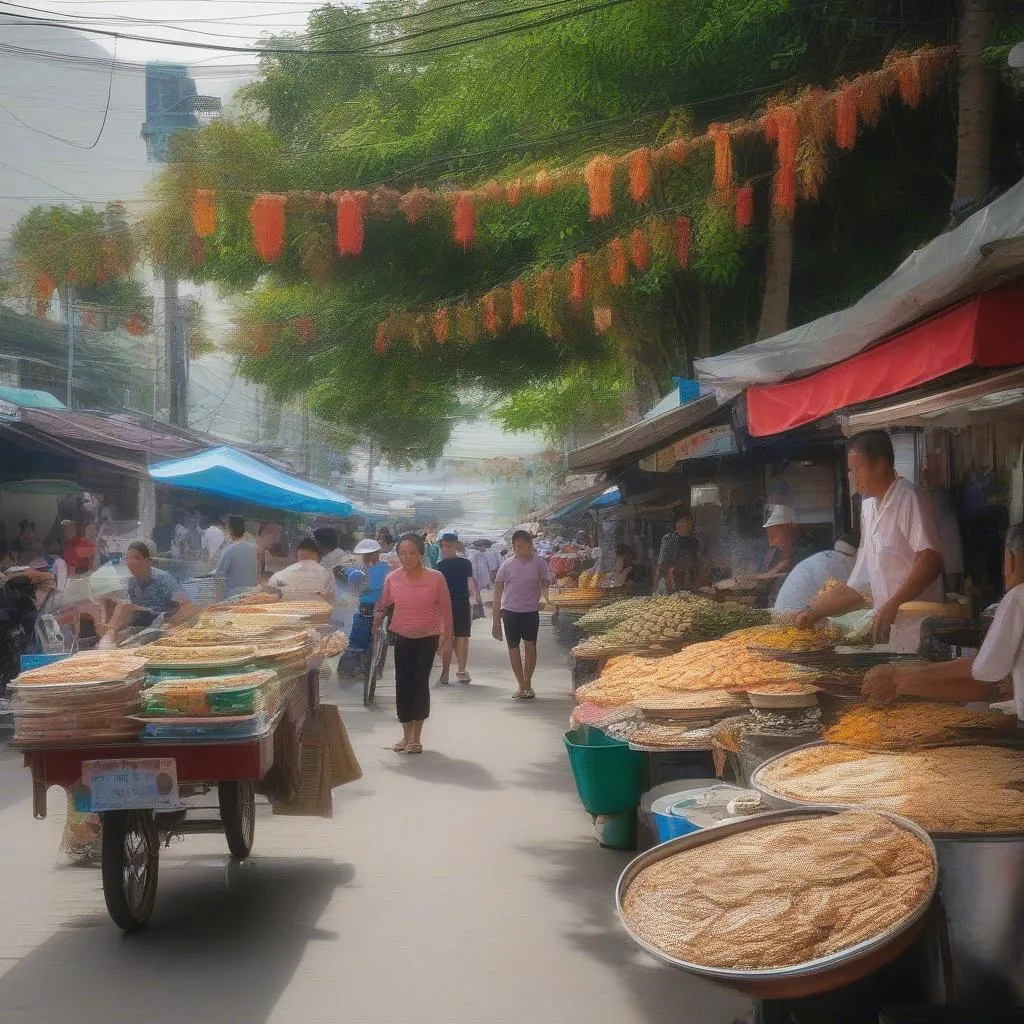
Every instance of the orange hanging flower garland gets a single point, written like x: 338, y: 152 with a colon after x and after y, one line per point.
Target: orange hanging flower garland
x: 846, y: 118
x: 683, y: 230
x: 441, y: 325
x: 744, y: 207
x: 465, y: 220
x: 266, y: 215
x: 782, y: 129
x: 204, y: 213
x: 44, y: 286
x: 492, y: 324
x: 518, y: 297
x: 579, y: 280
x: 599, y: 175
x: 640, y: 250
x: 415, y: 204
x: 514, y: 192
x: 618, y: 263
x: 349, y: 222
x: 639, y: 167
x: 719, y: 134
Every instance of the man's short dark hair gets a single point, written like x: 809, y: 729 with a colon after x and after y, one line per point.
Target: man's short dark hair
x: 522, y: 535
x: 871, y: 445
x: 236, y: 526
x: 308, y: 544
x: 683, y: 513
x: 326, y: 537
x: 140, y: 547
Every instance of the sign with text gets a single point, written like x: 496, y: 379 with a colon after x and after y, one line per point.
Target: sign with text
x: 133, y: 783
x: 705, y: 443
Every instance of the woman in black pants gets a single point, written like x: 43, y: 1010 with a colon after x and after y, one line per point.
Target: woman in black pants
x: 421, y: 623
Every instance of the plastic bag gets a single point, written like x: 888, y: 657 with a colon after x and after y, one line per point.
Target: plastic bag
x: 478, y: 610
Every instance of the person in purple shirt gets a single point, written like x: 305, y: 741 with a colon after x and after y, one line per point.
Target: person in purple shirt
x: 520, y: 584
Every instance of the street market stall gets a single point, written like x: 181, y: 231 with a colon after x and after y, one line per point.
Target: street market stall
x: 228, y: 704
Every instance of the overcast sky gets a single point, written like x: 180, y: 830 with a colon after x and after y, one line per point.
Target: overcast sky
x: 226, y: 22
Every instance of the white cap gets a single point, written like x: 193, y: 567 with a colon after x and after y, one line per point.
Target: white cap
x: 845, y: 547
x: 367, y: 547
x: 782, y: 515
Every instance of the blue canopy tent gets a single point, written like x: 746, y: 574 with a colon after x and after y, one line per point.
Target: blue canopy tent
x: 607, y: 498
x: 232, y: 474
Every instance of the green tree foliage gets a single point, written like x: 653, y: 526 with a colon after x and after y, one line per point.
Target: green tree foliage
x: 394, y: 94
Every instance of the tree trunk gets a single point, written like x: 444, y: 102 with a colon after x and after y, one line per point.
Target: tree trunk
x: 975, y: 102
x: 777, y: 275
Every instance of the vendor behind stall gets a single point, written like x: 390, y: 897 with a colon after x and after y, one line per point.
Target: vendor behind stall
x: 971, y: 679
x: 306, y: 579
x: 151, y: 593
x: 679, y: 558
x: 900, y: 556
x: 808, y: 577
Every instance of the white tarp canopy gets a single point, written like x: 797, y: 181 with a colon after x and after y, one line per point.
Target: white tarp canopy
x: 987, y: 249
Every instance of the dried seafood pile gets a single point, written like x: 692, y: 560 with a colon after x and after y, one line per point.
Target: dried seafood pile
x: 783, y: 894
x: 943, y: 789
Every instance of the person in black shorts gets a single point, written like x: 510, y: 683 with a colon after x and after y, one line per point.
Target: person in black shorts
x: 458, y: 572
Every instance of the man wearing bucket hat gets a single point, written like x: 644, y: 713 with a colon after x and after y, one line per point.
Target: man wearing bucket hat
x: 785, y: 545
x: 375, y: 570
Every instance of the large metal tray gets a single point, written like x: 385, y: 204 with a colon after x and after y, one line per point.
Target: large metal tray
x: 805, y: 979
x: 787, y: 803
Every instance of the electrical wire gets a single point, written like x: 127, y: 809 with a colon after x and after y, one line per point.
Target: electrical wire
x: 355, y: 51
x: 103, y: 122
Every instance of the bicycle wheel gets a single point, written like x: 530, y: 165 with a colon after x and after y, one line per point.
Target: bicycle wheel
x: 375, y: 662
x: 131, y: 860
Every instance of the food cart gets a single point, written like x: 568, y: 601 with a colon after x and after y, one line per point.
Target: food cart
x: 136, y: 789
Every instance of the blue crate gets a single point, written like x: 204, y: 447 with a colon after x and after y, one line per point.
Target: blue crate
x: 29, y: 661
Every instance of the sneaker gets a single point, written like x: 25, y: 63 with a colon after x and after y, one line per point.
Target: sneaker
x: 529, y: 695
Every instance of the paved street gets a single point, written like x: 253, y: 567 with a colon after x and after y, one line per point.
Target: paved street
x: 460, y: 886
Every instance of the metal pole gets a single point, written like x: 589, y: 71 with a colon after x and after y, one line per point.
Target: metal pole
x: 369, y: 480
x: 180, y: 370
x: 69, y: 312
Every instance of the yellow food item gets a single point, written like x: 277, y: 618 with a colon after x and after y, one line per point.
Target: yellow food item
x: 85, y: 667
x: 310, y: 609
x: 186, y: 655
x: 783, y: 894
x: 944, y: 789
x: 909, y: 725
x: 788, y: 638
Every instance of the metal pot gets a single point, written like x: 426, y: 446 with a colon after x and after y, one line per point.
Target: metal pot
x: 981, y: 891
x: 815, y: 976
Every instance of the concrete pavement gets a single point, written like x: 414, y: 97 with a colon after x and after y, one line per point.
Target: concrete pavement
x: 462, y: 885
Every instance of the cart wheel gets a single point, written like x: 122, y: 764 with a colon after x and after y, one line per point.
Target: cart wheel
x: 131, y: 858
x: 375, y: 663
x: 238, y: 812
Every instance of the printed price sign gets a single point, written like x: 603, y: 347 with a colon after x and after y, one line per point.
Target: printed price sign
x: 121, y: 785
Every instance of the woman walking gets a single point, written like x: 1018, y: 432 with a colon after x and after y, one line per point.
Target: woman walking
x: 421, y: 622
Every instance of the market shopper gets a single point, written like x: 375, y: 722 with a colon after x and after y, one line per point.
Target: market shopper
x: 26, y: 545
x: 152, y: 592
x: 970, y: 679
x: 679, y: 558
x: 519, y: 586
x: 421, y: 623
x: 305, y: 579
x: 900, y: 556
x: 458, y: 573
x: 213, y: 539
x: 78, y: 552
x: 809, y: 576
x: 786, y: 544
x: 237, y: 566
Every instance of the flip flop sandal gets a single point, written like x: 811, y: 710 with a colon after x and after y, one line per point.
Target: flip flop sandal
x: 443, y: 681
x: 414, y: 748
x: 399, y: 747
x: 463, y: 677
x: 519, y: 695
x: 529, y: 695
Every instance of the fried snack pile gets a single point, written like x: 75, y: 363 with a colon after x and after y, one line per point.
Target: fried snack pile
x: 783, y: 894
x: 944, y: 789
x: 900, y: 726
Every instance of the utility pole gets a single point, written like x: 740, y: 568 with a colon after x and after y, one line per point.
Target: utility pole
x: 175, y: 353
x: 69, y: 319
x: 306, y: 454
x: 369, y: 480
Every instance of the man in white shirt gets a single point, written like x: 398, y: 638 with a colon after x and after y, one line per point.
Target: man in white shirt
x: 213, y: 539
x: 900, y: 556
x: 804, y: 583
x: 305, y: 579
x: 967, y: 679
x: 492, y: 557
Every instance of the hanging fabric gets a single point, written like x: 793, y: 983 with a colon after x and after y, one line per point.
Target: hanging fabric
x: 599, y: 175
x: 266, y: 215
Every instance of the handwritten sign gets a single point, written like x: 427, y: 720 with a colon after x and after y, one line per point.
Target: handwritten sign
x: 705, y: 443
x: 121, y: 785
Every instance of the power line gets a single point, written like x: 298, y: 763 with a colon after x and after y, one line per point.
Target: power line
x: 103, y: 123
x: 356, y: 51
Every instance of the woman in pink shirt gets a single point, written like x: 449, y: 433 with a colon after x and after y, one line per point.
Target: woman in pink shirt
x: 421, y: 622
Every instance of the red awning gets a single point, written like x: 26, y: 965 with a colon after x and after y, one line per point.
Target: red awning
x: 987, y: 330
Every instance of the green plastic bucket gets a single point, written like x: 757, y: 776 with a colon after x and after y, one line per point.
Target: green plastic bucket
x: 608, y: 774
